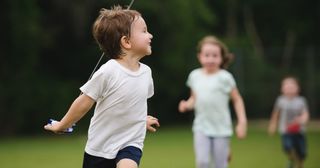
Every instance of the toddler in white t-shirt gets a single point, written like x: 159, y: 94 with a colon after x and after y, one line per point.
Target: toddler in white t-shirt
x: 120, y: 89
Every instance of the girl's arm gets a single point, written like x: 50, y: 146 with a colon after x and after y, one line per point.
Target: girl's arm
x: 273, y: 121
x: 77, y: 110
x: 186, y: 105
x: 241, y: 128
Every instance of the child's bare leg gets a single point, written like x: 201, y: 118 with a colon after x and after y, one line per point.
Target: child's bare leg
x: 291, y: 158
x: 127, y: 163
x: 297, y: 162
x: 291, y: 155
x: 229, y: 156
x: 300, y: 164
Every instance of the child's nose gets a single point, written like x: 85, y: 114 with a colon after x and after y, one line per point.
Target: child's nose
x: 151, y: 36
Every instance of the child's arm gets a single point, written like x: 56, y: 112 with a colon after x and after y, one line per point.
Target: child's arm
x: 77, y: 110
x: 152, y: 122
x: 241, y: 128
x: 186, y: 105
x: 273, y: 121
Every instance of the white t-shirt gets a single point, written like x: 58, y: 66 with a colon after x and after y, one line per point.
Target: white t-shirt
x: 212, y: 96
x: 120, y: 114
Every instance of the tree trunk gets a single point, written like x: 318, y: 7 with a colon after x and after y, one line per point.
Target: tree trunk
x: 252, y: 32
x: 232, y: 25
x: 288, y: 50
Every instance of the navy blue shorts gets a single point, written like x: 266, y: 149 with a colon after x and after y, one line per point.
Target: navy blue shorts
x: 129, y: 152
x: 296, y: 142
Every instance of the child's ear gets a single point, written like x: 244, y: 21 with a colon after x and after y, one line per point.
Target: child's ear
x: 125, y: 42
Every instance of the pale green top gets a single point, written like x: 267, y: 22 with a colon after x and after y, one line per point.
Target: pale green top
x: 212, y: 96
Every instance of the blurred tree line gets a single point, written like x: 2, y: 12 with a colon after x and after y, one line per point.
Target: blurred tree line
x: 48, y: 52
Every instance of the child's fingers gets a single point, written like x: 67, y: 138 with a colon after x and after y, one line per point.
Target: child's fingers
x: 271, y: 130
x: 241, y: 135
x: 182, y: 106
x: 152, y: 123
x: 155, y: 122
x: 151, y: 129
x: 53, y: 128
x: 241, y: 132
x: 48, y: 127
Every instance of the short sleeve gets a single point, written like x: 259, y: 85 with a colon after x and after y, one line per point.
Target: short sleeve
x: 305, y: 104
x: 190, y: 79
x: 229, y: 82
x: 277, y: 104
x: 189, y: 83
x: 151, y: 86
x: 95, y: 87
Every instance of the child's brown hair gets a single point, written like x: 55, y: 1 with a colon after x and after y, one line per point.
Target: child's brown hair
x: 110, y: 26
x: 227, y: 57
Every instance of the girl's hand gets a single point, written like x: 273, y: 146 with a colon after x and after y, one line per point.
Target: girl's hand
x: 241, y: 130
x: 183, y: 106
x: 151, y: 122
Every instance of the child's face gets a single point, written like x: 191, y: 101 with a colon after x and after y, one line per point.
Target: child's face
x: 210, y: 57
x: 289, y: 87
x: 140, y: 37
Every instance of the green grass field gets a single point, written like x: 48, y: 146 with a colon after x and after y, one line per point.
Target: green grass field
x: 170, y: 147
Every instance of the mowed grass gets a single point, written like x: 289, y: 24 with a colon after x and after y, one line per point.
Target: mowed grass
x: 173, y: 148
x: 169, y: 147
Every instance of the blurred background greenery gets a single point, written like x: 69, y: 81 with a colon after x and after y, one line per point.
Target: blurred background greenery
x: 47, y: 52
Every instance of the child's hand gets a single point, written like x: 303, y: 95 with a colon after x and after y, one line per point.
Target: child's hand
x: 272, y: 129
x: 295, y: 124
x: 54, y: 127
x: 151, y: 122
x: 241, y: 130
x: 183, y: 106
x: 57, y: 127
x: 293, y: 128
x: 299, y: 120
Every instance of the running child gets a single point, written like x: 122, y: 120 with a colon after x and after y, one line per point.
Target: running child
x: 212, y: 87
x: 291, y: 113
x: 120, y: 89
